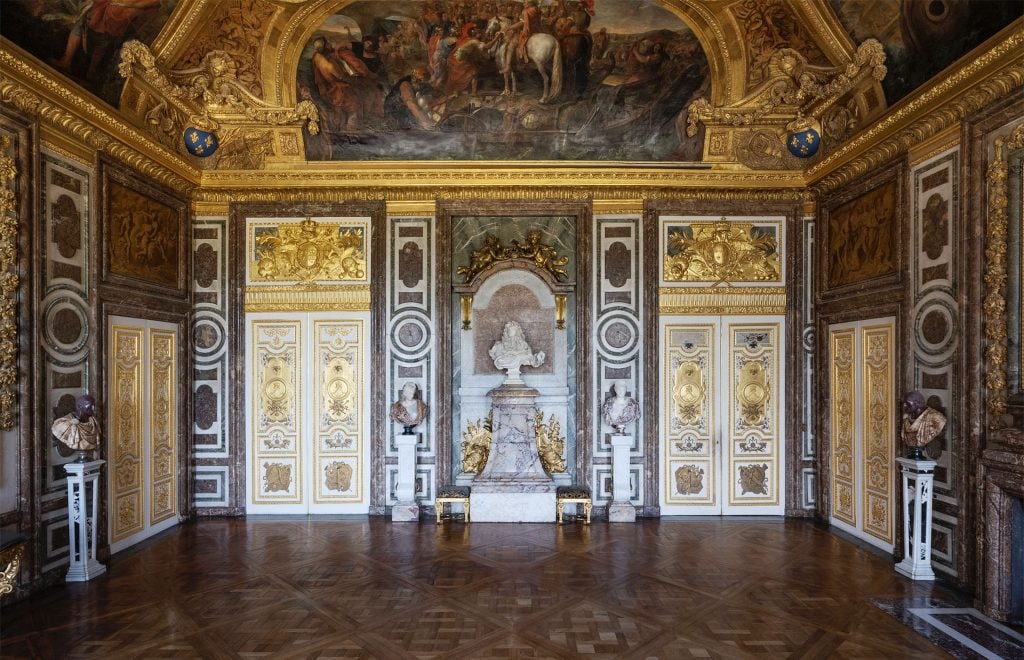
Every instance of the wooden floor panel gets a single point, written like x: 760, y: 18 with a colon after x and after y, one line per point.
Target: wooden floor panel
x: 327, y: 588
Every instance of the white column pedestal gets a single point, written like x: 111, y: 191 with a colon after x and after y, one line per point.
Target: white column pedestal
x: 405, y: 508
x: 83, y: 478
x: 621, y: 509
x: 917, y: 518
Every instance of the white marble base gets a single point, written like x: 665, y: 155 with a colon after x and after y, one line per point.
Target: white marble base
x: 562, y: 479
x: 83, y: 572
x: 405, y: 513
x: 919, y: 572
x: 512, y: 507
x: 621, y: 512
x: 465, y: 478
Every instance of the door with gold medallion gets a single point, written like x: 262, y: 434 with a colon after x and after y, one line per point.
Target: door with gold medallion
x: 722, y: 406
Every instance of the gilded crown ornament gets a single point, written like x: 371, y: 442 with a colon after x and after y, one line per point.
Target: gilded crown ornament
x: 722, y: 252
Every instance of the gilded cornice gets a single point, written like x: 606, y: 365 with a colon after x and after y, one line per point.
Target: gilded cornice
x: 410, y: 208
x: 977, y: 82
x: 935, y: 145
x: 39, y: 93
x: 613, y: 207
x: 832, y: 37
x: 722, y: 300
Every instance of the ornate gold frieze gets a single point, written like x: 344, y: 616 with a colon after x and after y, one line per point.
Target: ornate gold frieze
x: 946, y: 101
x: 721, y: 300
x: 308, y: 251
x: 492, y: 252
x: 722, y: 252
x: 994, y: 302
x: 310, y: 297
x: 688, y: 392
x: 32, y: 91
x: 9, y: 282
x: 203, y: 96
x: 476, y: 444
x: 550, y: 444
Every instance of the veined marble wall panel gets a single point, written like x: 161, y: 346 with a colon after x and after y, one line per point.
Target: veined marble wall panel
x: 935, y: 319
x: 64, y: 226
x: 211, y: 363
x: 618, y: 341
x: 808, y: 457
x: 410, y: 328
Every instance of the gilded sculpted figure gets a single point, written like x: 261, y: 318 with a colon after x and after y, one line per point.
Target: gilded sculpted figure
x: 79, y: 430
x: 920, y: 423
x: 550, y: 444
x: 476, y: 444
x: 409, y: 410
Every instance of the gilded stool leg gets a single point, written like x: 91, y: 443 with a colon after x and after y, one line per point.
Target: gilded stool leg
x: 560, y: 508
x: 438, y: 507
x: 466, y: 508
x: 587, y: 506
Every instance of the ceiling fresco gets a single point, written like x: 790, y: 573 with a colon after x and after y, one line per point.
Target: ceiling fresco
x: 82, y: 38
x: 564, y: 80
x: 923, y: 37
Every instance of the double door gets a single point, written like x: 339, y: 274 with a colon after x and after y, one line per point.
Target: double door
x: 862, y: 428
x: 722, y: 404
x: 307, y: 418
x: 142, y: 428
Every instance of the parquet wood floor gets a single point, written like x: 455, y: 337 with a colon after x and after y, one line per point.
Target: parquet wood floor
x: 357, y: 588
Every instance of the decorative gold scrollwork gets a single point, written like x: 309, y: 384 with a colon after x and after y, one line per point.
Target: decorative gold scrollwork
x: 276, y: 477
x: 310, y: 251
x: 689, y: 480
x: 550, y: 444
x: 277, y: 390
x: 688, y: 392
x: 754, y: 479
x: 476, y: 444
x: 9, y: 573
x: 338, y: 476
x: 544, y: 256
x: 339, y: 390
x: 8, y: 289
x: 722, y: 252
x: 753, y: 392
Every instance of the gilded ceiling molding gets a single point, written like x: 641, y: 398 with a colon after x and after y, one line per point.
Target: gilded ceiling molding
x: 37, y: 93
x: 935, y: 145
x: 994, y: 302
x: 833, y: 38
x: 618, y: 206
x: 417, y: 208
x: 9, y: 282
x: 977, y: 83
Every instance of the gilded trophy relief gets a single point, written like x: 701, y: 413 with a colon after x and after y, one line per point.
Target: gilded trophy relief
x: 476, y: 444
x: 689, y: 480
x: 338, y: 476
x: 277, y: 390
x: 308, y: 251
x: 550, y: 443
x: 277, y: 477
x: 723, y: 251
x: 753, y: 479
x: 752, y: 393
x: 688, y: 392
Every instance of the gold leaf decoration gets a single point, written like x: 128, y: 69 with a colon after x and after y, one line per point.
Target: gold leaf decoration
x: 476, y: 444
x: 689, y: 480
x: 8, y: 288
x: 542, y: 255
x: 310, y: 251
x: 276, y: 477
x: 722, y: 252
x: 688, y: 392
x: 550, y: 444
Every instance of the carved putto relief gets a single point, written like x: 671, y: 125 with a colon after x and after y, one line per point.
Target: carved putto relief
x: 543, y: 256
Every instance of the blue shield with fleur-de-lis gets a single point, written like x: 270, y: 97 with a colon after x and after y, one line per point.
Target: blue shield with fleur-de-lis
x: 199, y: 142
x: 804, y: 144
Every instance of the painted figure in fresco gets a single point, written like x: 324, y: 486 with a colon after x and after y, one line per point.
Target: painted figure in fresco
x: 407, y: 104
x: 511, y: 352
x: 619, y: 408
x: 79, y: 430
x: 409, y: 410
x: 464, y: 62
x: 101, y: 26
x: 346, y: 85
x: 921, y: 423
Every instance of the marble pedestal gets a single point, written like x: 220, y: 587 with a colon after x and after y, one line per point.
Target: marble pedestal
x: 405, y: 508
x: 513, y: 486
x: 83, y: 507
x: 621, y: 509
x: 917, y: 518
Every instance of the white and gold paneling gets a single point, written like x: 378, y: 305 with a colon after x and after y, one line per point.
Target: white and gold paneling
x: 862, y: 428
x: 307, y: 358
x: 142, y: 429
x: 722, y: 426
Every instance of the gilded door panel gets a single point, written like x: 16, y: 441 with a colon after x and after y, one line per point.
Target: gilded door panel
x: 878, y: 426
x: 338, y: 411
x: 752, y: 432
x: 126, y: 432
x: 276, y: 411
x: 690, y: 421
x: 842, y: 424
x: 163, y: 422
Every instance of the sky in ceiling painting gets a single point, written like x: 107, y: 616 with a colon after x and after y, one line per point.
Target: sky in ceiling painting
x: 421, y: 80
x: 82, y: 38
x: 923, y: 37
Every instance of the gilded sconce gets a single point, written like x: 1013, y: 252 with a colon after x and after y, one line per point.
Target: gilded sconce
x: 467, y: 311
x: 560, y: 301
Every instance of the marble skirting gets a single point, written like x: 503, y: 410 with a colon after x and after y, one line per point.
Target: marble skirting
x: 956, y: 627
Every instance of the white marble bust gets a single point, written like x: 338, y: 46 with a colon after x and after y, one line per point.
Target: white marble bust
x: 409, y: 410
x: 619, y: 409
x: 511, y: 353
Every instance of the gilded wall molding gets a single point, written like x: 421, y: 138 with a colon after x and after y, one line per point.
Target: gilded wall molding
x: 307, y: 298
x: 9, y: 283
x: 722, y: 300
x: 994, y: 302
x: 978, y: 82
x: 32, y: 91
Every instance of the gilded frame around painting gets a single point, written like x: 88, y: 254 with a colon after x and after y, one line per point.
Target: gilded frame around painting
x: 862, y: 235
x: 143, y: 233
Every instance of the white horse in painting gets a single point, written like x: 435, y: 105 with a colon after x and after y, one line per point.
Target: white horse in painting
x: 541, y: 49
